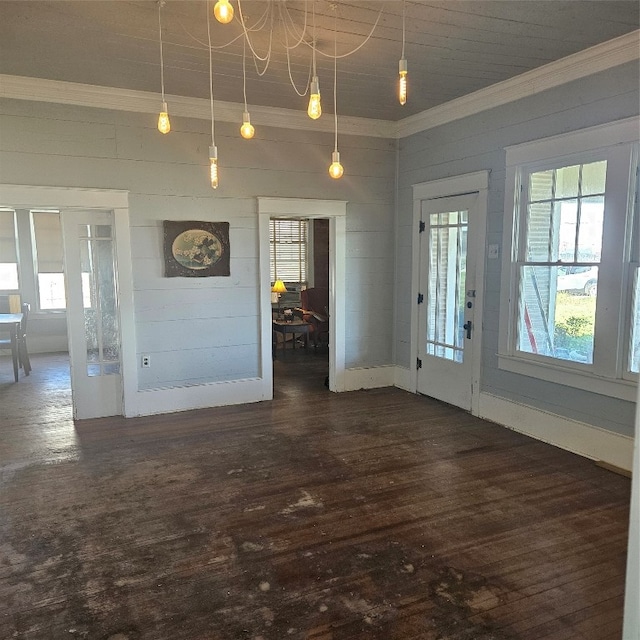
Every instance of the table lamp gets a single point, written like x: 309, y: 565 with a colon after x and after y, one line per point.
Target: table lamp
x: 279, y: 288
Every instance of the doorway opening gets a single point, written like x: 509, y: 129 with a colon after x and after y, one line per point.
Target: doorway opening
x: 75, y: 214
x: 295, y: 208
x: 299, y: 276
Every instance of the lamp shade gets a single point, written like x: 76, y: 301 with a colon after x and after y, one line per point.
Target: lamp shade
x: 278, y: 287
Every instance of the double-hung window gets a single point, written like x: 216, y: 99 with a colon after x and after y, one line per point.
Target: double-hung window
x: 32, y: 257
x: 288, y: 243
x: 571, y: 291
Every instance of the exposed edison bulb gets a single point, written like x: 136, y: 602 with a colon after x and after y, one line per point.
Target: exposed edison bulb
x: 402, y: 87
x: 314, y: 110
x: 246, y: 130
x: 213, y: 166
x: 336, y: 169
x: 164, y: 126
x: 223, y: 11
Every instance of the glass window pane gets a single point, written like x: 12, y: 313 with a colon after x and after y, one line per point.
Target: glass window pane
x: 567, y: 214
x: 541, y: 186
x: 51, y: 291
x: 556, y: 315
x: 538, y: 223
x: 8, y: 276
x: 634, y: 349
x: 594, y: 177
x: 446, y: 289
x: 591, y: 227
x: 567, y: 182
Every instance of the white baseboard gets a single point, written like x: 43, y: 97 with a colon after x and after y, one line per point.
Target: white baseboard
x: 403, y: 379
x: 578, y: 437
x: 369, y: 377
x: 217, y: 394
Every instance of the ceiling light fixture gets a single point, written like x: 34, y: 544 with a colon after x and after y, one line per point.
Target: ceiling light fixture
x: 335, y: 169
x: 315, y: 109
x: 402, y: 65
x: 164, y: 126
x: 213, y: 150
x: 223, y: 11
x: 246, y: 130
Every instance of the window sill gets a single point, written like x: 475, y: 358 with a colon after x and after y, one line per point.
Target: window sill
x: 622, y: 389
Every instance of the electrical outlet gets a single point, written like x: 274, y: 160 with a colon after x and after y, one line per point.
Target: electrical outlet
x: 146, y: 361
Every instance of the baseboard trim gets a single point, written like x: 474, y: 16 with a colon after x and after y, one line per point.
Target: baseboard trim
x: 578, y: 437
x: 369, y: 377
x: 203, y: 396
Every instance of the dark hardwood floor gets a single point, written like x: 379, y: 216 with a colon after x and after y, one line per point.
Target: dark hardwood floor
x: 366, y: 515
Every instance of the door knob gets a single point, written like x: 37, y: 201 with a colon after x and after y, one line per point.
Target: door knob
x: 467, y: 326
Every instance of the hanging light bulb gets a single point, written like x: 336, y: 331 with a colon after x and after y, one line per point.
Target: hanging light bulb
x: 213, y: 166
x: 402, y: 86
x: 223, y: 11
x: 246, y: 130
x: 335, y: 168
x: 164, y: 126
x: 315, y: 109
x: 402, y: 65
x: 213, y: 150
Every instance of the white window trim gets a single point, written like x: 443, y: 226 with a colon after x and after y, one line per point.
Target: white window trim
x: 607, y: 380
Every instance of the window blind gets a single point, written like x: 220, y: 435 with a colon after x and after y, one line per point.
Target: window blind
x: 288, y: 250
x: 8, y: 251
x: 48, y: 238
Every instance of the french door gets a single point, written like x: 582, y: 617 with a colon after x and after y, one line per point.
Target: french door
x: 93, y: 315
x: 447, y: 284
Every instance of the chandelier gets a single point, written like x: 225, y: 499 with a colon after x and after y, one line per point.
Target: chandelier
x: 296, y: 29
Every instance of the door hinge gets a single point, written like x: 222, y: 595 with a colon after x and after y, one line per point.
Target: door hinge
x: 422, y: 226
x: 418, y: 363
x: 420, y: 298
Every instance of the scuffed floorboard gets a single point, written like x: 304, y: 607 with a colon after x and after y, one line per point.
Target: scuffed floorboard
x: 366, y: 515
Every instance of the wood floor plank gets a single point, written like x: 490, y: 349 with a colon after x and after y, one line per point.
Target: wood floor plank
x: 366, y: 515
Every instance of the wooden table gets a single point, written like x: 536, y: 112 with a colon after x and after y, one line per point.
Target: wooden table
x: 293, y: 327
x: 11, y: 322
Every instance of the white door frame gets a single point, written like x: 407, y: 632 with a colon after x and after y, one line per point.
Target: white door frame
x: 30, y: 197
x: 477, y: 182
x: 336, y: 212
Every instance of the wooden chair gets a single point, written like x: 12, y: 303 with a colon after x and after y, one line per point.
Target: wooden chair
x: 315, y: 303
x: 23, y: 352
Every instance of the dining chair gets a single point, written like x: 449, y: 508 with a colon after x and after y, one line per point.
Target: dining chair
x: 23, y: 352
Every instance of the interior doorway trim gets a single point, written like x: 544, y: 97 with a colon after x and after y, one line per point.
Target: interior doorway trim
x: 30, y: 196
x: 477, y: 182
x: 335, y: 211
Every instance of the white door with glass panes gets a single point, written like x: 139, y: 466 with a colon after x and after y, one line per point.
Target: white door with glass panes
x: 447, y: 298
x: 93, y: 317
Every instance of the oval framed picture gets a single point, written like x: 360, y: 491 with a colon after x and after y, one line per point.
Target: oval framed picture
x: 196, y: 249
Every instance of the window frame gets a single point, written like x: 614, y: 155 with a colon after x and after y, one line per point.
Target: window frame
x: 28, y: 286
x: 618, y: 144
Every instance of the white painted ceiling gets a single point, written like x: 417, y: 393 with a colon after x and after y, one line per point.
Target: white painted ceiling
x: 453, y: 47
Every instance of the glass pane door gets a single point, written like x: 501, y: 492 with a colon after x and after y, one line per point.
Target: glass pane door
x: 446, y: 287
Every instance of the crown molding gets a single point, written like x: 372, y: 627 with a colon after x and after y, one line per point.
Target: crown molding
x: 87, y: 95
x: 601, y: 57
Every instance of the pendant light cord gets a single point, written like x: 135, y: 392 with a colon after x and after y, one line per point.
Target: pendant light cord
x: 404, y: 7
x: 160, y: 3
x: 335, y: 77
x: 244, y: 72
x: 213, y: 144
